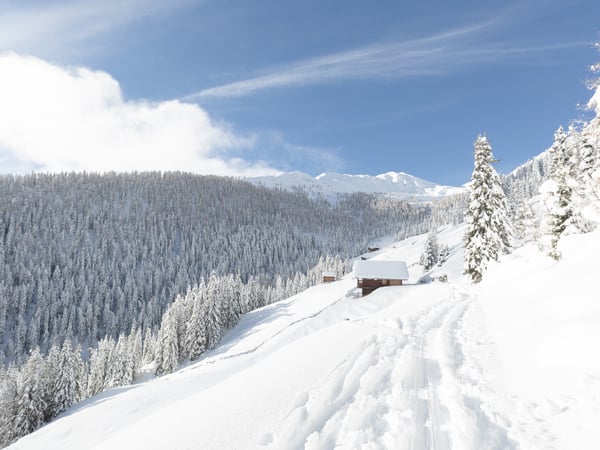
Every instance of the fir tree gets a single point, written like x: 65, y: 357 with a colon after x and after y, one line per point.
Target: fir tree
x: 167, y: 347
x: 488, y: 229
x: 444, y: 254
x: 430, y: 255
x: 195, y: 342
x: 558, y: 191
x: 31, y: 405
x: 8, y: 405
x: 524, y: 222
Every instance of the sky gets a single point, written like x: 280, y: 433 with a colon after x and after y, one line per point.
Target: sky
x: 243, y: 88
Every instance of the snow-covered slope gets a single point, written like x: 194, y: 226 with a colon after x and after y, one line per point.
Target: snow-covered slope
x: 397, y: 184
x: 510, y: 363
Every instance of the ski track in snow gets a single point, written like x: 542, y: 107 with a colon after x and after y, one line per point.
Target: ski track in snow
x: 407, y: 386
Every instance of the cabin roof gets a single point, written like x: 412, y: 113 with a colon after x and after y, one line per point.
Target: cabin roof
x: 329, y: 274
x: 382, y: 270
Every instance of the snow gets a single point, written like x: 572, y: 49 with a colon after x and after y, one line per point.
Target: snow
x: 548, y: 187
x: 390, y: 270
x: 509, y: 363
x: 397, y: 184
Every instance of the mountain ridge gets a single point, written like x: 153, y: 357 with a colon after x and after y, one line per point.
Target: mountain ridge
x: 331, y: 184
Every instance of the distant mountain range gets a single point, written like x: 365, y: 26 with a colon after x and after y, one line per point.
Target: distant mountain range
x: 393, y: 184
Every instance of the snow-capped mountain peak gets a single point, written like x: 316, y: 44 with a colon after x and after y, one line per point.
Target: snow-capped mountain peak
x: 396, y: 184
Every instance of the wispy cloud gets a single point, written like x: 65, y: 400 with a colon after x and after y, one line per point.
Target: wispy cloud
x: 53, y: 29
x: 441, y: 53
x: 275, y: 147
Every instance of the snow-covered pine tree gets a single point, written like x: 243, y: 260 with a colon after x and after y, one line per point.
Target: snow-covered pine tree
x: 136, y: 349
x: 444, y: 254
x: 524, y: 227
x: 66, y: 382
x: 167, y: 346
x: 8, y: 405
x: 31, y: 406
x: 587, y: 158
x: 591, y: 153
x: 430, y: 255
x: 558, y: 192
x: 195, y: 339
x: 99, y: 371
x: 488, y: 227
x: 214, y: 319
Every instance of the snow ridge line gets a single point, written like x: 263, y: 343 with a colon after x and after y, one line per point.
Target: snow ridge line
x: 258, y: 346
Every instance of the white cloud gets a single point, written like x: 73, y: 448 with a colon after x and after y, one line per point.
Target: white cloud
x: 447, y: 52
x: 54, y: 29
x: 58, y: 119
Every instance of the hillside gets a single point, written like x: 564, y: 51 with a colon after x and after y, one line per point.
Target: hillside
x: 329, y: 185
x: 509, y: 363
x: 85, y: 256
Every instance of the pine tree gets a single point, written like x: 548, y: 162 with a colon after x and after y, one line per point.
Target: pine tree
x: 444, y: 254
x: 430, y: 254
x: 488, y: 228
x: 195, y: 342
x: 167, y: 346
x: 8, y: 405
x: 558, y: 192
x: 99, y: 376
x: 31, y: 405
x: 524, y: 222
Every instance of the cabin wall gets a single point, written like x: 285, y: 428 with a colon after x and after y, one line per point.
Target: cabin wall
x: 368, y: 285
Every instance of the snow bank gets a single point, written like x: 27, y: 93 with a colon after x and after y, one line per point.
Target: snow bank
x: 543, y: 317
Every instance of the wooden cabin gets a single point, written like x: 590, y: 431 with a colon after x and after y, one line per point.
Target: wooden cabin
x: 371, y: 275
x: 328, y: 277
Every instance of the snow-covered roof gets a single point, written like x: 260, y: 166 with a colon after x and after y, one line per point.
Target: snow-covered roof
x: 383, y: 270
x: 329, y: 274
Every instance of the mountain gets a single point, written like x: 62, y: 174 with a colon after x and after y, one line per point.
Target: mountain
x: 395, y: 184
x: 509, y: 363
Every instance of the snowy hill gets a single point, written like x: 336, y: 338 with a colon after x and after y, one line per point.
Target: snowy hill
x: 396, y: 184
x: 509, y: 363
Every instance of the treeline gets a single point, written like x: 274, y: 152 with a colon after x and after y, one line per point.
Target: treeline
x: 558, y: 192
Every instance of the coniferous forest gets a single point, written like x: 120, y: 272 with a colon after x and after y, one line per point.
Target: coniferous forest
x: 84, y: 256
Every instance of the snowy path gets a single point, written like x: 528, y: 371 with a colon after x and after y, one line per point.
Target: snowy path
x: 397, y: 389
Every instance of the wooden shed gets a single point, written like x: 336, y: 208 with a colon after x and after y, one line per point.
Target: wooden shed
x: 328, y: 277
x: 371, y: 275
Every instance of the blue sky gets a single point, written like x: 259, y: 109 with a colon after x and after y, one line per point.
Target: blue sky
x: 241, y: 88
